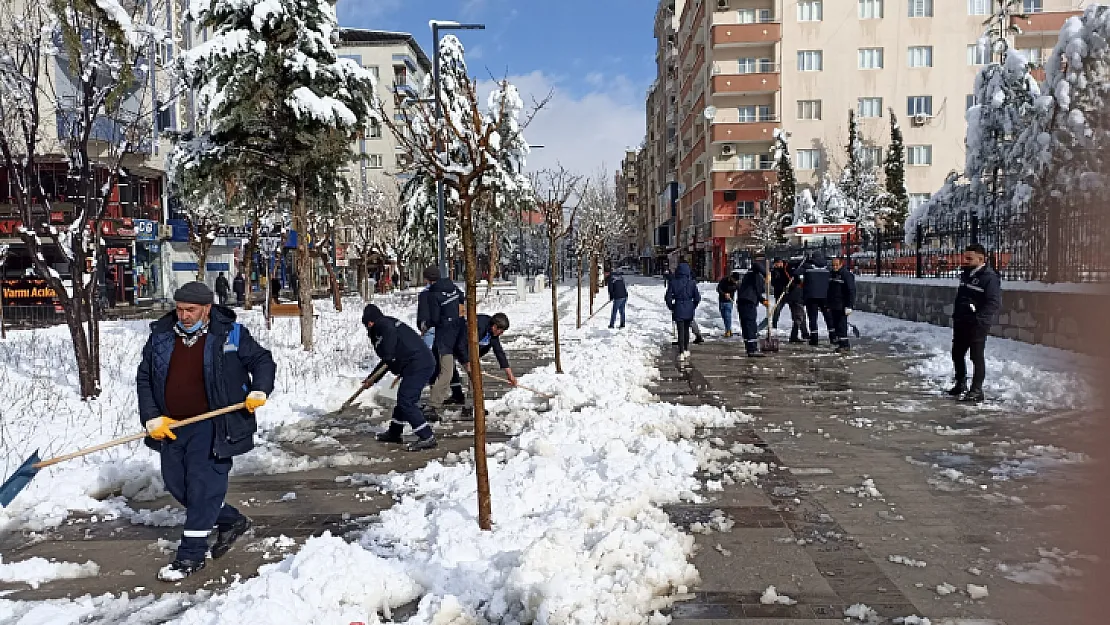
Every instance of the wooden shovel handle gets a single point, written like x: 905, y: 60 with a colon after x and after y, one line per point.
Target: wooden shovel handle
x: 135, y: 437
x: 518, y: 385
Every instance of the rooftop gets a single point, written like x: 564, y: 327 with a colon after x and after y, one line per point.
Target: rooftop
x: 356, y: 36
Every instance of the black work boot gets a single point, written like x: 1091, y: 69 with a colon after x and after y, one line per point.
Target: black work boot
x: 179, y: 569
x: 813, y: 340
x: 389, y: 436
x: 958, y: 390
x: 226, y: 536
x: 974, y: 396
x: 422, y: 444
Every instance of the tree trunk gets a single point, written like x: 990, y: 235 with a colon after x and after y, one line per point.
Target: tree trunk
x: 471, y: 269
x: 336, y: 296
x: 593, y: 281
x: 361, y: 274
x: 578, y: 323
x: 303, y: 265
x: 494, y: 252
x: 554, y: 257
x: 248, y: 262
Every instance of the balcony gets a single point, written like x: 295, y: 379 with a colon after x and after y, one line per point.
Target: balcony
x: 745, y: 132
x: 107, y: 130
x: 696, y: 152
x: 743, y: 180
x: 756, y: 82
x: 730, y: 227
x: 1046, y: 23
x: 694, y: 113
x: 744, y: 35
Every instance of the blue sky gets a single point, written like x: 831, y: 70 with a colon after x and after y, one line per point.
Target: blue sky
x: 595, y: 56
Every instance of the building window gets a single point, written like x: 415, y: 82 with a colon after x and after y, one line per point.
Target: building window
x: 871, y: 9
x: 921, y: 56
x: 808, y: 159
x: 745, y: 208
x: 978, y: 7
x: 747, y: 113
x: 753, y: 16
x: 919, y: 155
x: 919, y: 105
x: 810, y: 60
x: 375, y: 161
x: 1034, y: 56
x: 870, y: 107
x: 809, y: 10
x: 809, y: 109
x: 766, y: 162
x: 1032, y: 6
x: 749, y: 162
x: 972, y: 100
x: 870, y: 58
x: 920, y: 8
x: 375, y: 130
x: 871, y: 157
x: 978, y: 54
x: 373, y: 69
x: 917, y: 199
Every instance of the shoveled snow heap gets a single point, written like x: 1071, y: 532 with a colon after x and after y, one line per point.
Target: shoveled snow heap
x: 37, y: 571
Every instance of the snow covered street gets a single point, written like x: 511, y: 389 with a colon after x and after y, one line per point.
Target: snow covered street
x: 839, y: 481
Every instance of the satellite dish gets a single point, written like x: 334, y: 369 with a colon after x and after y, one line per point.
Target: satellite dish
x: 710, y: 112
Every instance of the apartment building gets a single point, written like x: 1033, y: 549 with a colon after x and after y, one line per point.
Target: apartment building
x: 629, y: 197
x: 749, y: 67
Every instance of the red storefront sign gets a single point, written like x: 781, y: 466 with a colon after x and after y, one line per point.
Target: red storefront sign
x: 818, y: 229
x: 119, y: 228
x: 118, y: 254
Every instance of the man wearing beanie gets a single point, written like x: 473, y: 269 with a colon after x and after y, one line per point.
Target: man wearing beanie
x: 405, y: 355
x: 199, y: 359
x: 444, y: 300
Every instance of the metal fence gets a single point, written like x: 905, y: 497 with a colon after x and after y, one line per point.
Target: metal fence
x: 1046, y: 246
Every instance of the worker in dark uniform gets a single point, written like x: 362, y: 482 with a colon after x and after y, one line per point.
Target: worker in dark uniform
x: 752, y: 293
x: 978, y: 301
x: 444, y: 301
x: 490, y: 329
x: 404, y: 354
x: 815, y: 291
x: 198, y: 359
x: 841, y: 299
x: 799, y: 330
x: 780, y: 277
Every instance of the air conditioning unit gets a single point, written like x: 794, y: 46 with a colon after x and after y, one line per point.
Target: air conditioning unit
x: 722, y: 5
x: 728, y: 150
x: 919, y: 119
x: 165, y: 231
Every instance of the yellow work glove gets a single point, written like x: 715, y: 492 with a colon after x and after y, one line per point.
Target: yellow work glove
x: 159, y: 429
x: 255, y: 400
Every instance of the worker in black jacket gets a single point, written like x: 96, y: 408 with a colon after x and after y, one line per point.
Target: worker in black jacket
x: 799, y: 331
x: 444, y: 301
x: 840, y: 301
x: 780, y: 278
x: 404, y: 354
x: 815, y: 291
x: 752, y: 293
x: 726, y: 298
x: 978, y: 301
x: 618, y: 294
x: 490, y: 329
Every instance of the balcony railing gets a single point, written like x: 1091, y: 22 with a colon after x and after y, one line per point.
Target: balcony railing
x: 726, y: 84
x: 746, y: 131
x: 739, y: 35
x: 747, y: 66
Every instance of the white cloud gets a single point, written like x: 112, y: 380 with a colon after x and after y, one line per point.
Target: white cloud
x: 582, y: 133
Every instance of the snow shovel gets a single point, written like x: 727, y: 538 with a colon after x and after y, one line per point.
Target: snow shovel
x: 778, y: 305
x: 518, y: 385
x: 26, y: 471
x: 361, y: 388
x: 771, y: 343
x: 597, y: 311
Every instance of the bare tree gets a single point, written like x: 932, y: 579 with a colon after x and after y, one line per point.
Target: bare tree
x: 373, y: 219
x: 76, y: 94
x: 553, y: 190
x: 603, y: 224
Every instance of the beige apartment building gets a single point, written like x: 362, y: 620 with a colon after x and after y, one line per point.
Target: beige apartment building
x: 746, y: 68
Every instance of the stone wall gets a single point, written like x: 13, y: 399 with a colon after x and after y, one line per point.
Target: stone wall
x: 1058, y: 319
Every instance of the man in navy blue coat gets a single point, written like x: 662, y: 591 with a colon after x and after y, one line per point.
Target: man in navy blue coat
x: 682, y: 299
x: 444, y: 300
x: 840, y: 301
x: 815, y: 291
x: 199, y: 359
x: 978, y: 301
x: 618, y: 294
x: 404, y: 354
x: 752, y: 293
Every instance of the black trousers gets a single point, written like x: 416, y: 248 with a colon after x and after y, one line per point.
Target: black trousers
x: 798, y: 319
x: 839, y: 327
x: 813, y: 307
x: 748, y: 325
x: 683, y: 335
x: 969, y: 339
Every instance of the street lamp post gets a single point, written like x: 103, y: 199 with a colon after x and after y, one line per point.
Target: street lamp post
x: 440, y: 200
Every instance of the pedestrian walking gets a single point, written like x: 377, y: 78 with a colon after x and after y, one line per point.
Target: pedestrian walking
x: 815, y: 291
x: 752, y: 293
x: 618, y: 294
x: 222, y: 288
x: 799, y: 331
x: 444, y: 300
x: 841, y: 300
x: 403, y: 354
x: 197, y: 359
x: 726, y: 298
x: 275, y: 288
x: 239, y: 286
x: 978, y: 301
x: 682, y: 299
x: 780, y: 278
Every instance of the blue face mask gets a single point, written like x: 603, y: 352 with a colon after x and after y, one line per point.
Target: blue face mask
x: 196, y: 326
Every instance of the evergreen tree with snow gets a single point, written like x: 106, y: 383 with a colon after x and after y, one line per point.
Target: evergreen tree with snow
x: 805, y: 209
x: 275, y: 98
x: 832, y: 206
x: 786, y: 188
x: 859, y: 184
x: 896, y: 199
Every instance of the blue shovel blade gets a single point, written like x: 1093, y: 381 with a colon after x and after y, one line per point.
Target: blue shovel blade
x: 18, y: 480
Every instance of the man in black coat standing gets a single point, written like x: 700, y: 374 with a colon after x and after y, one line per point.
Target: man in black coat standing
x: 841, y: 300
x: 239, y: 286
x: 618, y: 294
x: 444, y: 300
x: 799, y: 331
x: 404, y: 354
x: 978, y: 301
x: 752, y: 293
x: 222, y: 288
x: 815, y: 292
x: 780, y: 278
x: 726, y: 298
x: 199, y: 359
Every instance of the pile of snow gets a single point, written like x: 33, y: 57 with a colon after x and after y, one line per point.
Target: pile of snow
x: 37, y: 571
x: 772, y: 597
x: 861, y: 612
x: 907, y: 561
x: 1020, y: 377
